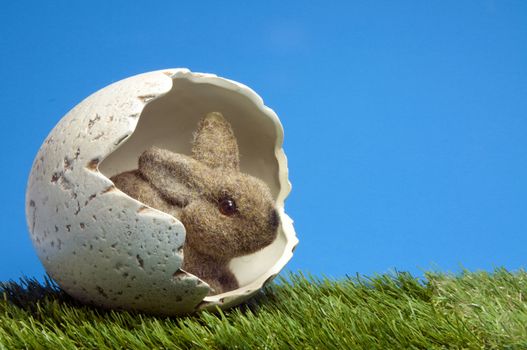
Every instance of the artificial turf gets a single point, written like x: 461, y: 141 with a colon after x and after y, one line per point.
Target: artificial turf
x: 470, y: 310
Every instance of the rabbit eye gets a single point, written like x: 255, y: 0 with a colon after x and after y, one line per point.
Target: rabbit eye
x: 227, y: 206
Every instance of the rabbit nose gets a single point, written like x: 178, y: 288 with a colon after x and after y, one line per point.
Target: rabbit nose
x: 274, y: 219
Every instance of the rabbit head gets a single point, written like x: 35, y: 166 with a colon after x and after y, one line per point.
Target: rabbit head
x: 226, y: 213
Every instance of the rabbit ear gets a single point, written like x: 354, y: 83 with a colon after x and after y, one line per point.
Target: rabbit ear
x: 174, y: 175
x: 215, y: 144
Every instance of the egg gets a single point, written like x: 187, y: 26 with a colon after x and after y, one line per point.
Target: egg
x: 106, y: 248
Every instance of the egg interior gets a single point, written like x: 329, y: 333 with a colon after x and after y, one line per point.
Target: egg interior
x: 169, y: 121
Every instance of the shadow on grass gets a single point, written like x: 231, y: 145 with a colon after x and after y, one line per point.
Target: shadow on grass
x: 28, y: 294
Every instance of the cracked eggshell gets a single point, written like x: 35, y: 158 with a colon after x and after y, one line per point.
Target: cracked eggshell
x: 108, y: 249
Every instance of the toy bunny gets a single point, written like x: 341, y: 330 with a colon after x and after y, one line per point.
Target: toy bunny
x: 226, y: 213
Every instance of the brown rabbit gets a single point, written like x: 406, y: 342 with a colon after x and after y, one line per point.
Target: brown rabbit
x: 226, y: 213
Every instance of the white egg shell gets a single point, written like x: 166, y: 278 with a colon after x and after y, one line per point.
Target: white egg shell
x: 108, y: 249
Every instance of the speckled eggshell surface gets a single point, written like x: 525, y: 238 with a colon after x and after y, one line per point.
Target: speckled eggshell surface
x: 108, y: 249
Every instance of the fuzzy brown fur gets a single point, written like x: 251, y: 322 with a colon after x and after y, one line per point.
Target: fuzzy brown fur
x: 200, y: 191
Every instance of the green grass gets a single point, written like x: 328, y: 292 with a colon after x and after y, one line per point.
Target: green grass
x: 467, y: 311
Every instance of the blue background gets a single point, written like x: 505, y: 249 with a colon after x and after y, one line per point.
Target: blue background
x: 405, y: 122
